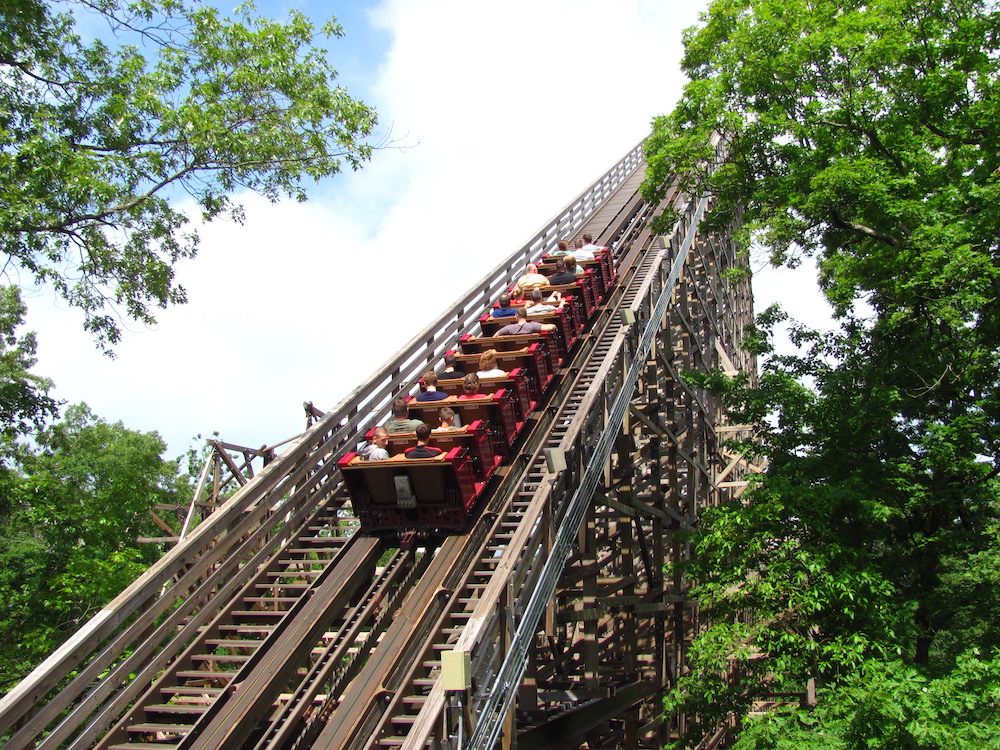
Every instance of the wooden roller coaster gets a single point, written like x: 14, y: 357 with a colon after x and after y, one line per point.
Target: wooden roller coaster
x: 275, y: 624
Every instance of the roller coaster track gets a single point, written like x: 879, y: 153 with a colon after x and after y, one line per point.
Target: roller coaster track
x: 275, y: 625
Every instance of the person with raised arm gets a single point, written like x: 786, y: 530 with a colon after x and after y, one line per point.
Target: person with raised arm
x: 523, y: 325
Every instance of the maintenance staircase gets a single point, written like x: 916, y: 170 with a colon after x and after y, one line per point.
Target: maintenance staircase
x: 275, y: 625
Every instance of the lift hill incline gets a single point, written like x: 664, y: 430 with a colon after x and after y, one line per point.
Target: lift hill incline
x: 275, y: 625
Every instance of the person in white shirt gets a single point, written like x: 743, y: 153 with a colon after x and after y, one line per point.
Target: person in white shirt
x: 588, y: 244
x: 488, y: 365
x: 376, y: 449
x: 579, y: 252
x: 449, y: 420
x: 538, y: 306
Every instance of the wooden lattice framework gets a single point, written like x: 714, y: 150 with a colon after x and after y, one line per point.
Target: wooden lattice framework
x: 623, y: 621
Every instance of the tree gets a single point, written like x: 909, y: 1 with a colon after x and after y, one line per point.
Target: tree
x: 68, y: 541
x: 115, y: 109
x: 24, y: 399
x: 865, y: 135
x: 890, y: 706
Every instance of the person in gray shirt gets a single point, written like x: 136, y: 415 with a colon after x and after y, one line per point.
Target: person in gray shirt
x: 401, y: 421
x: 376, y: 449
x: 523, y: 325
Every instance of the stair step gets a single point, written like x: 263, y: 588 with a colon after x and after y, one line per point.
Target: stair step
x: 255, y: 613
x: 204, y: 674
x: 233, y: 643
x: 221, y: 658
x: 270, y: 599
x: 154, y: 728
x: 191, y: 691
x: 175, y: 709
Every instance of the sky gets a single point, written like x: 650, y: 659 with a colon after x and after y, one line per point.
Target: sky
x: 498, y: 116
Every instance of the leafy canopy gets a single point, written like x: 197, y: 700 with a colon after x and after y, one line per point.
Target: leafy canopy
x: 890, y: 706
x: 111, y: 110
x: 864, y: 134
x: 79, y: 499
x: 24, y: 397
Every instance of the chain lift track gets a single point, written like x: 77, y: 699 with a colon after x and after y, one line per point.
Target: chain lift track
x: 273, y: 625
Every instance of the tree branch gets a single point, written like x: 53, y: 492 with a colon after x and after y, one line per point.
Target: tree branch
x: 839, y: 221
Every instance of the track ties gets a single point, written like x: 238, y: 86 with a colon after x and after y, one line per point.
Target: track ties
x: 185, y: 692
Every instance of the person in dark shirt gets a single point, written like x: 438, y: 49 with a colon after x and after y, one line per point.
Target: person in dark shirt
x: 505, y: 310
x: 422, y: 449
x: 432, y: 393
x: 561, y: 276
x: 450, y: 371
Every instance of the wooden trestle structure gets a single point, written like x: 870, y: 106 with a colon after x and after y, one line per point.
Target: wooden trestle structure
x: 273, y: 624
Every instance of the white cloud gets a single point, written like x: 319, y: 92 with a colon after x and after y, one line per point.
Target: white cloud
x: 509, y: 110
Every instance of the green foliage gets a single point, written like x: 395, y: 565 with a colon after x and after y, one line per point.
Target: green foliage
x: 889, y: 705
x: 112, y: 112
x: 68, y: 541
x: 99, y: 135
x: 866, y: 135
x: 24, y: 399
x: 869, y: 538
